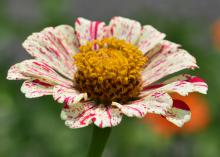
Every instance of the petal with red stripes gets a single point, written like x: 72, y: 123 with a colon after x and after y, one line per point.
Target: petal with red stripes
x: 149, y: 38
x: 179, y: 113
x: 14, y: 73
x: 164, y: 65
x: 82, y: 114
x: 163, y: 48
x: 125, y: 29
x: 157, y: 103
x: 36, y: 70
x: 79, y: 115
x: 36, y: 88
x: 54, y: 46
x: 182, y: 84
x: 107, y: 116
x: 69, y: 96
x: 87, y: 30
x: 133, y: 110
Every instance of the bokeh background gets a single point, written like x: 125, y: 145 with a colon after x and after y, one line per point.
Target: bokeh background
x: 33, y: 128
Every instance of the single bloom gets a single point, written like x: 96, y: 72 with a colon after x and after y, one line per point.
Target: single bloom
x: 199, y: 120
x: 101, y: 72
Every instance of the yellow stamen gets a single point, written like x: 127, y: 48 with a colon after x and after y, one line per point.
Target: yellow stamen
x: 109, y: 70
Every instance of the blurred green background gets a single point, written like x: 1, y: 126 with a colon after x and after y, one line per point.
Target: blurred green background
x: 33, y: 128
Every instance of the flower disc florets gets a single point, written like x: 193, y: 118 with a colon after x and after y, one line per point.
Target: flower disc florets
x: 109, y: 70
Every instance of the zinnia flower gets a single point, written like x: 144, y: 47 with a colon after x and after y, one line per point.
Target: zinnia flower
x: 102, y: 72
x: 200, y: 117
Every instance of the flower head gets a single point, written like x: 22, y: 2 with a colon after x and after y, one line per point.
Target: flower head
x: 111, y: 71
x: 102, y: 72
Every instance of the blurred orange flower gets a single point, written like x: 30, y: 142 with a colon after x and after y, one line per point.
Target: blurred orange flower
x: 216, y: 34
x: 199, y: 120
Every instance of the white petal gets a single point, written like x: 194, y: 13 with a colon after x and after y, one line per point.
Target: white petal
x: 164, y: 47
x: 36, y: 88
x: 69, y: 96
x: 186, y: 84
x: 82, y: 114
x: 125, y: 29
x: 14, y: 73
x: 166, y: 64
x: 149, y: 38
x: 36, y: 69
x: 67, y: 38
x: 89, y: 30
x: 179, y: 113
x: 182, y: 84
x: 133, y: 110
x: 79, y: 115
x: 107, y: 116
x: 54, y: 46
x: 157, y: 103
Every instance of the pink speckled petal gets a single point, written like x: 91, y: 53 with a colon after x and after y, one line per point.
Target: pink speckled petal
x: 182, y: 84
x: 133, y: 110
x: 87, y: 30
x: 36, y: 69
x: 69, y: 96
x: 55, y: 47
x: 79, y: 115
x: 163, y: 48
x: 179, y: 113
x: 67, y: 38
x: 14, y: 73
x: 126, y: 29
x: 157, y: 103
x: 82, y: 114
x: 36, y: 88
x: 149, y: 38
x: 107, y: 116
x: 166, y: 64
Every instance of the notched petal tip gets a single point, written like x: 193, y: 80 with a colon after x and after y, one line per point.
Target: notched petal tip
x: 179, y: 114
x: 34, y: 88
x: 14, y: 73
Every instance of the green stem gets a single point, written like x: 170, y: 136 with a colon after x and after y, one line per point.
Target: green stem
x: 99, y: 140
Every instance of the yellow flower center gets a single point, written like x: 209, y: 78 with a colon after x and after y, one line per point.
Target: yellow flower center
x: 109, y: 70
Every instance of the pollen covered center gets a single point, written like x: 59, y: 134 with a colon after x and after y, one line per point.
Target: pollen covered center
x: 109, y: 70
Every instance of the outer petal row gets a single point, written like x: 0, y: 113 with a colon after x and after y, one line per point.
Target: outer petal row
x: 126, y: 29
x: 53, y: 49
x: 83, y: 114
x: 161, y: 103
